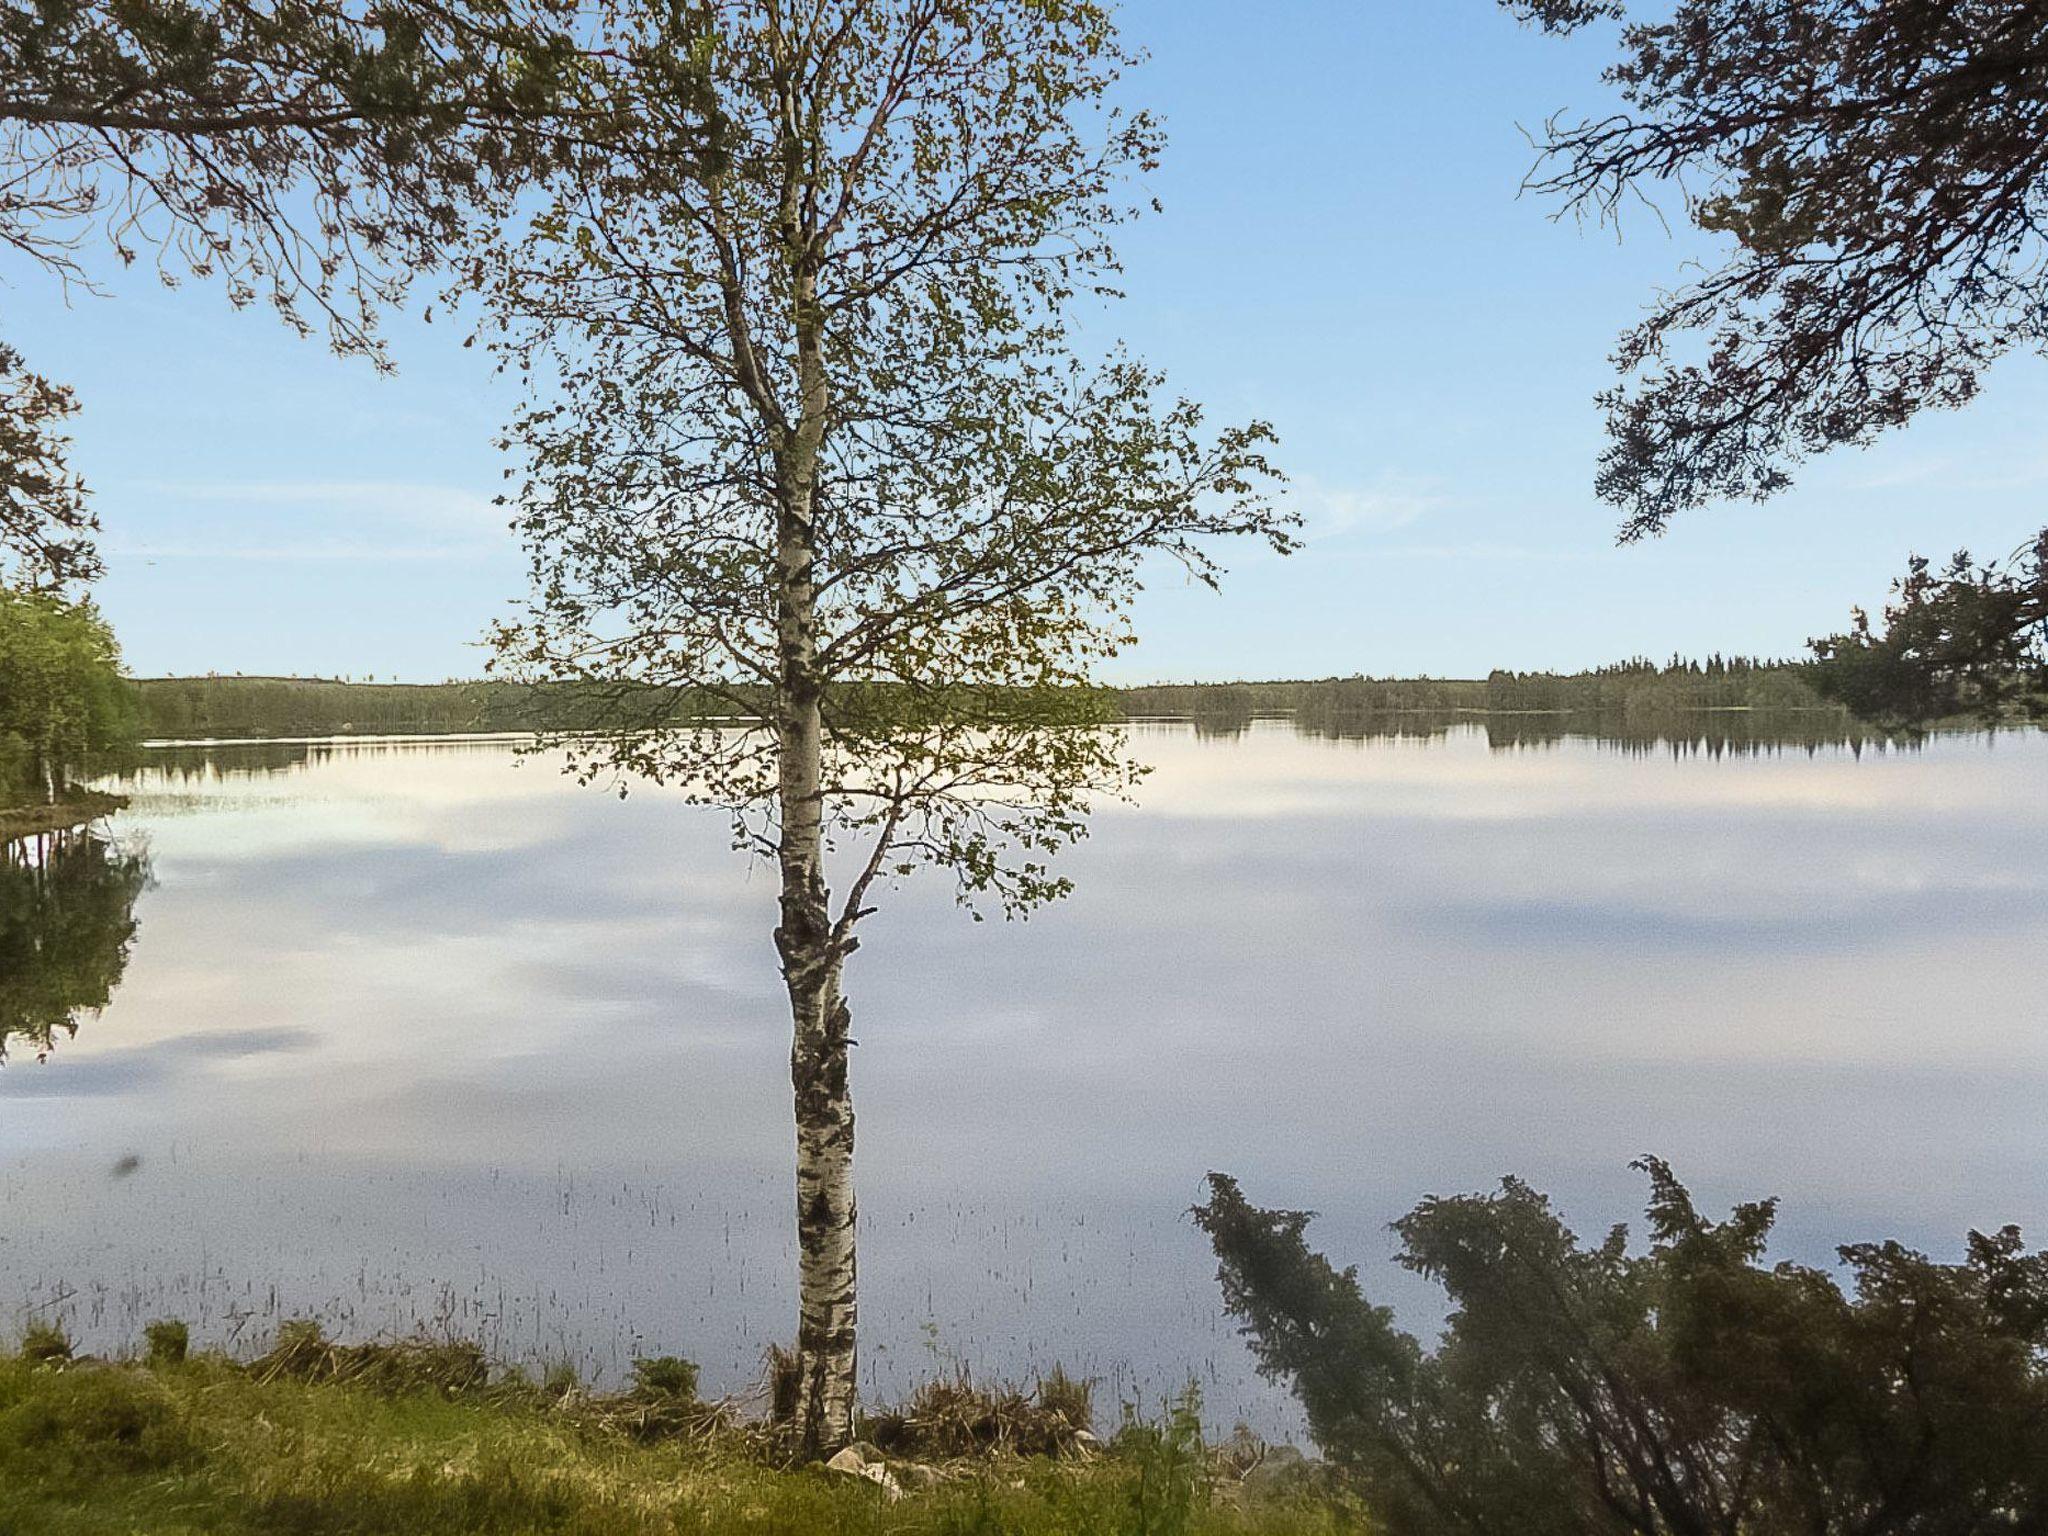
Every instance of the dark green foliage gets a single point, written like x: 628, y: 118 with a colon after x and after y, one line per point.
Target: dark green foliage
x: 1970, y: 639
x: 1564, y: 15
x: 1720, y: 705
x: 189, y: 707
x: 174, y: 707
x: 1878, y: 168
x: 1689, y: 1388
x: 1170, y: 1467
x: 281, y: 706
x: 62, y: 697
x: 311, y: 154
x: 45, y: 1344
x: 665, y: 1376
x: 46, y: 525
x: 1636, y: 687
x: 167, y: 1341
x: 67, y: 923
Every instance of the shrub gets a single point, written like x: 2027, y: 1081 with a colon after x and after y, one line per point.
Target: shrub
x: 45, y: 1344
x: 302, y: 1352
x: 1071, y: 1398
x: 666, y: 1378
x: 1686, y: 1388
x: 953, y: 1416
x: 1169, y: 1466
x: 663, y: 1404
x: 168, y: 1340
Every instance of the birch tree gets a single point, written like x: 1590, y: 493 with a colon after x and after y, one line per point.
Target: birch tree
x: 812, y: 478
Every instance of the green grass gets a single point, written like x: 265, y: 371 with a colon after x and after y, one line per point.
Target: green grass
x: 93, y: 1449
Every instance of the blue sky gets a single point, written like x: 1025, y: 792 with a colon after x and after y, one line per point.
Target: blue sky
x: 1343, y: 252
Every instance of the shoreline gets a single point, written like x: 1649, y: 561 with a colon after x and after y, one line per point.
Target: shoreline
x: 422, y: 1437
x: 76, y: 809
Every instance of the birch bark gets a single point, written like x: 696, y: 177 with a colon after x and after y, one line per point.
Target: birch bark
x: 812, y: 957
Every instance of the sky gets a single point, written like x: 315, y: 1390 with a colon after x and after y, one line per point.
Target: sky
x: 1344, y: 252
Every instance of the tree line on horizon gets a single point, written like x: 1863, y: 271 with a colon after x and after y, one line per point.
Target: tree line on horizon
x: 174, y: 708
x: 1637, y: 685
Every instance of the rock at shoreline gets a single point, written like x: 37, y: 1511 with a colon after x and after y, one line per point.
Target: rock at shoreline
x: 863, y: 1460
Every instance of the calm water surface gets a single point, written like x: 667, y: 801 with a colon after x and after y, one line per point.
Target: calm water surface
x: 412, y: 1036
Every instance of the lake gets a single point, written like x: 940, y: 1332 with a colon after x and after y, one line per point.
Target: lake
x: 412, y: 1034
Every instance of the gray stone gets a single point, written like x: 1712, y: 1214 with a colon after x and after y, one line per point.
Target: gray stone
x: 862, y: 1460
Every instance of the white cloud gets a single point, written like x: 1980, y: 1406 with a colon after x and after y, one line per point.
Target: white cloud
x: 442, y: 506
x: 325, y: 549
x: 2015, y: 473
x: 347, y: 520
x: 1390, y: 502
x: 1482, y: 549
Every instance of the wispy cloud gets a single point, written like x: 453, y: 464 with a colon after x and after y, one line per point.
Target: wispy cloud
x: 2016, y: 474
x: 427, y: 505
x: 1483, y: 549
x: 330, y: 549
x: 1387, y: 503
x: 308, y: 520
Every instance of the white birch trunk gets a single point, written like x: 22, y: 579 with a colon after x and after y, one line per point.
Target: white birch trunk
x: 826, y: 1310
x: 811, y: 957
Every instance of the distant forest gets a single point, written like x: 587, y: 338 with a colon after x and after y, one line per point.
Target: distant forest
x: 200, y: 707
x: 1631, y: 687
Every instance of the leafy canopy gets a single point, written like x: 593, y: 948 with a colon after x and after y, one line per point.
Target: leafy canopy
x: 1877, y: 168
x: 62, y: 696
x: 46, y: 523
x: 1876, y: 171
x: 309, y: 152
x: 313, y: 154
x: 869, y: 285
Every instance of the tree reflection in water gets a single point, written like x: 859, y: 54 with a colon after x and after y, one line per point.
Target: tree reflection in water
x: 67, y: 923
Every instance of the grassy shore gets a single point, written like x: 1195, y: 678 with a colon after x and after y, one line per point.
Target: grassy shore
x: 95, y: 1448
